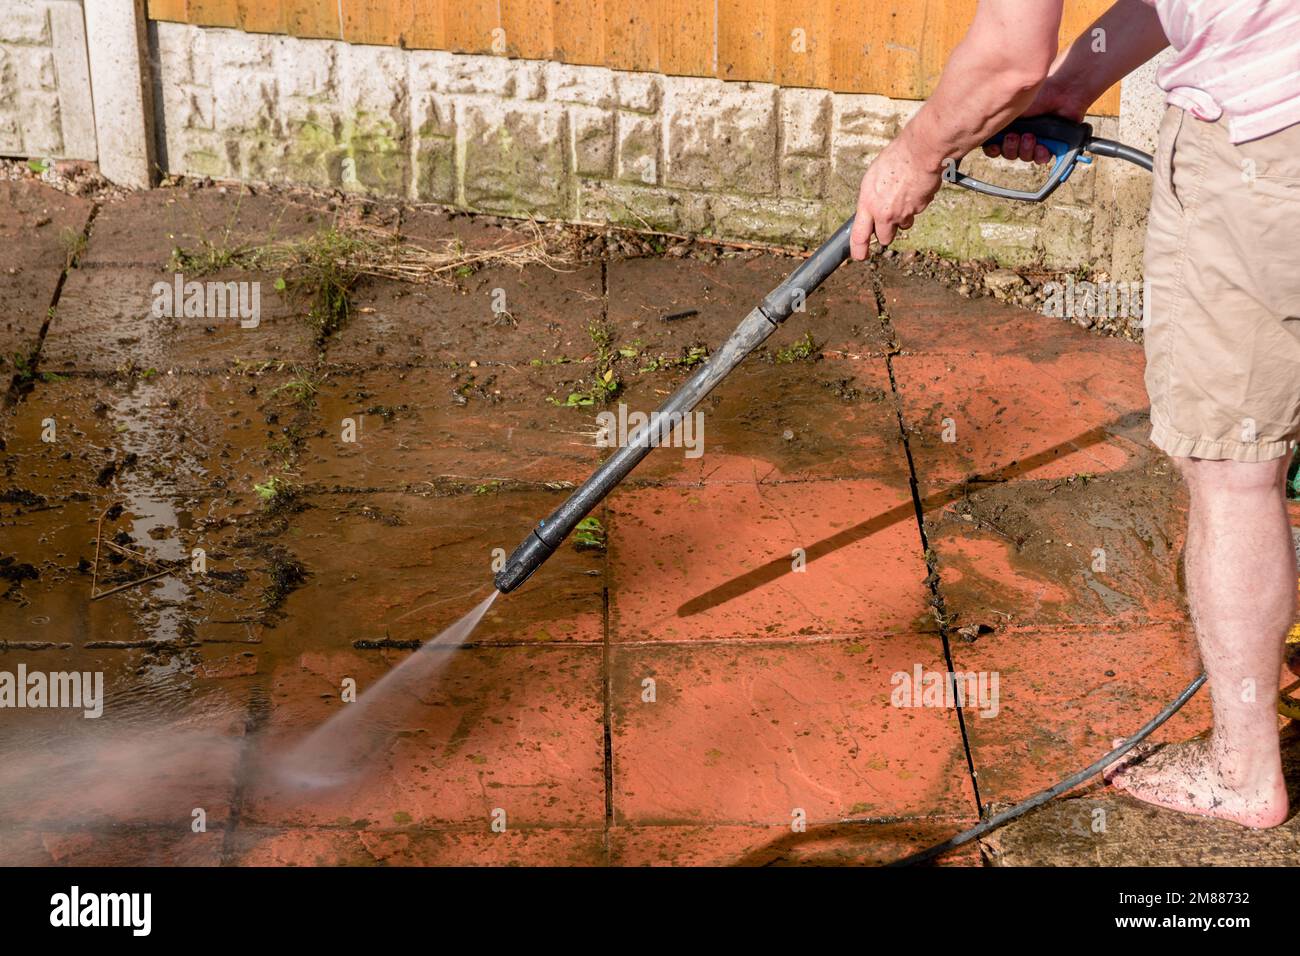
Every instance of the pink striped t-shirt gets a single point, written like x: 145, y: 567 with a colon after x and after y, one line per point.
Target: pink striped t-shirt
x: 1234, y: 58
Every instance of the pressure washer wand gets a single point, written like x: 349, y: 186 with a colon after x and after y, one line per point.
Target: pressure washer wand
x: 1068, y: 142
x: 749, y: 335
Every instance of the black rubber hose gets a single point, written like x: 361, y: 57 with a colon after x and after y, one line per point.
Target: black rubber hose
x: 1069, y: 783
x: 1108, y: 147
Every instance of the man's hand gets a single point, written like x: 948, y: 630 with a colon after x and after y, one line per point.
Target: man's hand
x: 895, y: 189
x: 1055, y: 98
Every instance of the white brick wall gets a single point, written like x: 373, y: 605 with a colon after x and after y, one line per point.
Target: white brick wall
x: 681, y: 154
x: 45, y: 102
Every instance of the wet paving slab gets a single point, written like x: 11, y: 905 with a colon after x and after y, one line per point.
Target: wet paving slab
x: 111, y: 317
x: 670, y: 305
x: 498, y: 314
x: 524, y: 846
x: 401, y: 567
x: 150, y: 433
x: 765, y: 561
x: 507, y: 734
x: 1095, y: 552
x: 1003, y: 417
x: 146, y: 228
x: 41, y: 230
x: 773, y: 421
x: 1063, y: 695
x: 788, y: 734
x: 399, y: 428
x: 929, y: 318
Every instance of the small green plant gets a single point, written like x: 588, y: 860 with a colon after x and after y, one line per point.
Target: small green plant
x: 800, y: 351
x: 276, y: 493
x: 74, y: 244
x: 689, y: 358
x: 301, y: 389
x: 589, y: 535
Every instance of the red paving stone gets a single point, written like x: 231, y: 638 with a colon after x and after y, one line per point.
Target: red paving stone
x: 1001, y: 417
x: 747, y: 734
x: 512, y: 729
x: 717, y: 562
x: 929, y: 318
x: 307, y: 846
x: 860, y: 844
x: 1101, y: 552
x: 436, y: 562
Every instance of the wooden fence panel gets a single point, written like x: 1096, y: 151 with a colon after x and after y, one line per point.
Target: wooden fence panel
x: 686, y: 37
x: 214, y: 13
x: 529, y: 28
x: 174, y: 11
x: 579, y: 27
x: 262, y: 16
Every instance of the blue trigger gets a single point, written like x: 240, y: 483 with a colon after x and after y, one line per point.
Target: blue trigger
x: 1059, y: 149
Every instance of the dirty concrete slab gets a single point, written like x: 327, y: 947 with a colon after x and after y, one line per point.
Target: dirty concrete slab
x: 394, y: 428
x: 514, y: 730
x: 85, y: 580
x: 765, y: 561
x: 106, y: 320
x: 670, y: 305
x: 1103, y: 551
x: 1001, y: 417
x: 40, y: 232
x: 774, y: 421
x: 865, y: 843
x: 772, y: 734
x: 497, y: 314
x: 1065, y: 694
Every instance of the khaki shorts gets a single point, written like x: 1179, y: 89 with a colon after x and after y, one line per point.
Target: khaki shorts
x: 1222, y: 268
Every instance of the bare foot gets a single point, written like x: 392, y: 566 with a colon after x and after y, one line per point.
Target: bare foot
x: 1192, y: 778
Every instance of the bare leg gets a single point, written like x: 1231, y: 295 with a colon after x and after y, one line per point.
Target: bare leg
x: 1241, y: 585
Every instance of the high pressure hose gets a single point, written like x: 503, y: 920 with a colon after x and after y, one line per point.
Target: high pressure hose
x: 1068, y: 142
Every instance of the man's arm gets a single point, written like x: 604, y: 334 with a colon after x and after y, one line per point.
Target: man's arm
x: 1116, y: 44
x: 992, y: 75
x: 997, y: 73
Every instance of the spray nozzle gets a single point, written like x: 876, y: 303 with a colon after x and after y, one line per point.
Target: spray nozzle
x: 525, y: 559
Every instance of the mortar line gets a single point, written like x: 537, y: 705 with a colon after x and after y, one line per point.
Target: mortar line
x: 931, y: 564
x: 14, y: 395
x: 606, y: 677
